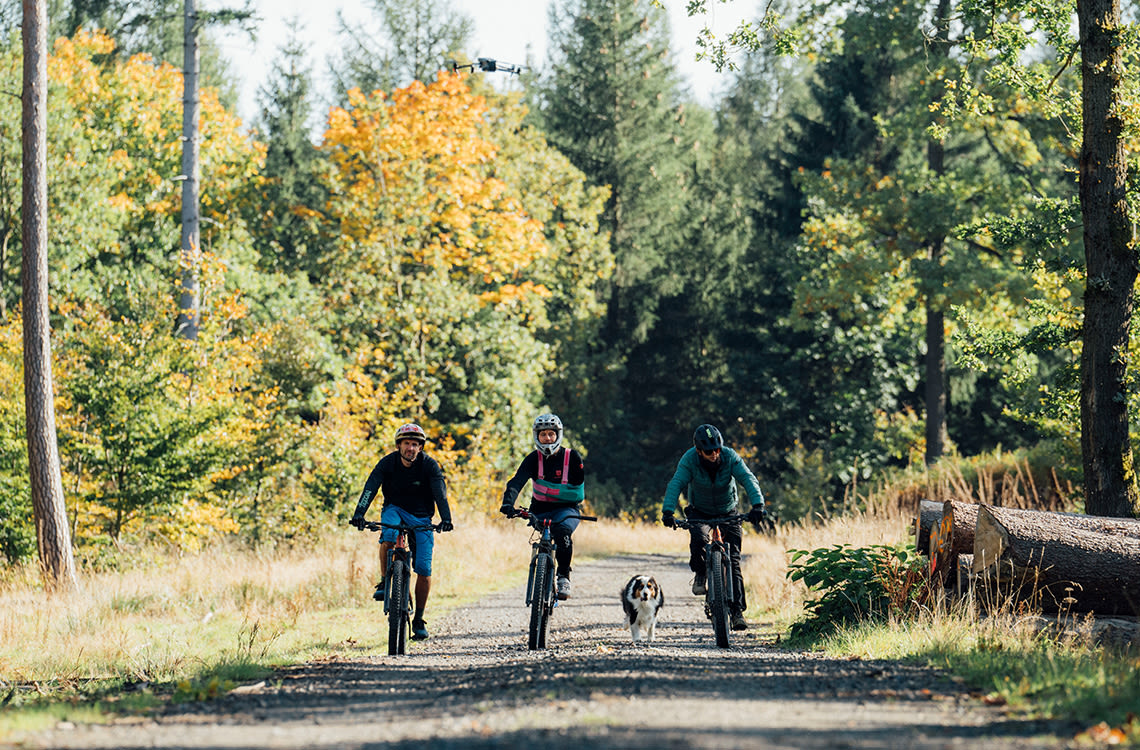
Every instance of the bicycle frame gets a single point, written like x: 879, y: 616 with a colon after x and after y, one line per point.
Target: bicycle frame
x: 398, y: 578
x: 719, y: 583
x: 540, y: 595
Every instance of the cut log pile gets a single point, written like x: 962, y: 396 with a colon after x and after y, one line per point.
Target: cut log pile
x: 1055, y: 562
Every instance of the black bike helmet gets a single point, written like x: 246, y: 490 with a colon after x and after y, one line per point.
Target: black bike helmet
x: 707, y: 438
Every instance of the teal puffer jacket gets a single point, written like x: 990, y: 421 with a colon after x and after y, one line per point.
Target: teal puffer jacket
x: 715, y: 496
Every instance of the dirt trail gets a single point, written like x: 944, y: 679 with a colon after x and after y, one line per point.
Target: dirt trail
x: 474, y: 684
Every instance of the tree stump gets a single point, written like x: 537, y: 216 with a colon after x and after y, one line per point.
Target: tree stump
x: 1058, y: 561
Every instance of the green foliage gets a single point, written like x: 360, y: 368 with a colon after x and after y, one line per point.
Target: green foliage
x: 17, y: 532
x: 286, y: 217
x: 853, y: 584
x: 141, y: 432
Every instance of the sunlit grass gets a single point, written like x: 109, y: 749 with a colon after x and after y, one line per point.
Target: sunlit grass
x: 193, y: 626
x: 1038, y: 673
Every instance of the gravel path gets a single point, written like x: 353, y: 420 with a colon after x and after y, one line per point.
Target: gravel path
x: 474, y: 684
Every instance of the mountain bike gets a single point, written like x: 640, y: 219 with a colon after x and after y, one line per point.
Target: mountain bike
x: 398, y: 584
x: 540, y: 596
x: 719, y: 592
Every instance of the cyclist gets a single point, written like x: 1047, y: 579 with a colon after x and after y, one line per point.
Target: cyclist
x: 707, y: 473
x: 413, y: 488
x: 557, y: 477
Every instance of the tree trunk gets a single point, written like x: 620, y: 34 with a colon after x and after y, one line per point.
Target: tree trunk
x: 929, y: 516
x: 1050, y: 563
x: 965, y: 518
x: 188, y: 303
x: 1111, y: 268
x: 935, y: 314
x: 50, y: 514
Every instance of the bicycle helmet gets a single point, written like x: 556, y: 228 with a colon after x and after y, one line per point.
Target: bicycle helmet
x: 411, y: 431
x: 547, y: 422
x: 708, y: 438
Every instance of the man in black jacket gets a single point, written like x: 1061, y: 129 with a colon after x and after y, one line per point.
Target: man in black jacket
x: 413, y: 488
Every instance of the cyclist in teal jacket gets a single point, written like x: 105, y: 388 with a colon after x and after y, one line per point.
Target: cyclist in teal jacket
x: 707, y: 474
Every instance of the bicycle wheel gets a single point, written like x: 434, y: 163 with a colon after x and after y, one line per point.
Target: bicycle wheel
x: 540, y: 602
x: 398, y: 608
x: 718, y: 597
x: 548, y: 598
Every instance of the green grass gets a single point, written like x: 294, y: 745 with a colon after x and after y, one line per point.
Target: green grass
x: 1038, y: 676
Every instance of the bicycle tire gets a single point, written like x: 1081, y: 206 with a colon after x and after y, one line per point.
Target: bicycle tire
x: 398, y: 608
x: 540, y: 602
x: 718, y: 597
x: 548, y: 597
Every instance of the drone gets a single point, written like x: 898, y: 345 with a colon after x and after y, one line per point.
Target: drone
x: 487, y: 65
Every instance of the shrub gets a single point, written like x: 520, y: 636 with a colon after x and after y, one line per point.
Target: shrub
x: 856, y: 583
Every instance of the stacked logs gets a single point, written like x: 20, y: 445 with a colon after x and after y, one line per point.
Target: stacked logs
x: 1055, y: 562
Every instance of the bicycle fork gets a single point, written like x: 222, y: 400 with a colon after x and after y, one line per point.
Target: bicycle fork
x: 717, y: 540
x: 542, y: 547
x: 401, y: 546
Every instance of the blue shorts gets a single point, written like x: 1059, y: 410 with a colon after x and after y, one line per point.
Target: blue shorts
x: 421, y: 542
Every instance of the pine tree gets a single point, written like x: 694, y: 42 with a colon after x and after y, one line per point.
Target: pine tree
x: 410, y: 42
x: 292, y: 193
x: 613, y: 102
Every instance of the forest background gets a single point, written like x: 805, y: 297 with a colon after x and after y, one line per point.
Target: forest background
x: 599, y: 245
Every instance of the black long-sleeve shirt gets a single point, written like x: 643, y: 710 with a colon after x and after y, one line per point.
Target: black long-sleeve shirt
x: 419, y: 489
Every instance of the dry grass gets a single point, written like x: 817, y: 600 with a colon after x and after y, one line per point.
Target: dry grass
x: 177, y: 616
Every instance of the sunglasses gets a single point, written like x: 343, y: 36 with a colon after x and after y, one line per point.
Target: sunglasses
x: 713, y: 452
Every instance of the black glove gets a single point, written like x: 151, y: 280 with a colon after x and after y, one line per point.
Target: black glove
x: 757, y: 515
x: 667, y: 519
x: 508, y: 510
x: 446, y: 526
x: 357, y: 521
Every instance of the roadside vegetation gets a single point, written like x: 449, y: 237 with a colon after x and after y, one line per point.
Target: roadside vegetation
x: 181, y: 627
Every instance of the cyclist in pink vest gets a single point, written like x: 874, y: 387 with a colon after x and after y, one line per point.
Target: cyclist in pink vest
x: 557, y: 476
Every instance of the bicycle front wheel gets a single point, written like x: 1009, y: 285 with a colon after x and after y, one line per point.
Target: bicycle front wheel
x: 718, y: 597
x: 540, y: 601
x: 398, y: 608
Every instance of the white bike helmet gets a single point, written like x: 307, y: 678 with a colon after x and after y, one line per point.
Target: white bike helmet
x: 411, y: 432
x: 547, y: 422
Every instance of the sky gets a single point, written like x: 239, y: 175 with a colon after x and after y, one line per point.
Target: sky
x: 504, y: 30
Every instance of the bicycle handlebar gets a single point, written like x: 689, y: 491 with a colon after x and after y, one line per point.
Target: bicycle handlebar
x: 525, y: 513
x: 377, y: 526
x: 688, y: 523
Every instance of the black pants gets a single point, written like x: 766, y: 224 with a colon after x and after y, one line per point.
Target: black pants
x: 563, y: 553
x: 733, y: 536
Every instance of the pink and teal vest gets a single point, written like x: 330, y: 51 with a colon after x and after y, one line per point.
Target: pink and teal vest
x: 563, y: 492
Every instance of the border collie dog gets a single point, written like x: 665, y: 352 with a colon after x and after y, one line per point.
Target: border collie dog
x: 642, y: 599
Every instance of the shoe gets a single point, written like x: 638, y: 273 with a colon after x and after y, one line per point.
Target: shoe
x: 738, y: 621
x: 378, y: 594
x: 699, y: 588
x: 563, y: 587
x: 419, y: 630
